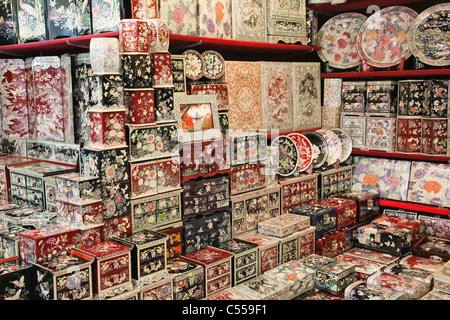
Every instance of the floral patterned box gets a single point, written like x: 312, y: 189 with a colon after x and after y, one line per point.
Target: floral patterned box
x: 57, y: 277
x: 76, y: 188
x: 16, y: 279
x: 220, y: 90
x: 442, y: 279
x: 202, y: 197
x: 276, y: 93
x: 175, y: 240
x: 409, y: 134
x: 411, y: 272
x: 433, y: 248
x: 13, y: 98
x: 363, y: 268
x: 438, y: 99
x: 178, y: 73
x: 116, y: 227
x: 267, y: 250
x: 381, y: 97
x: 283, y: 225
x: 360, y: 290
x: 164, y: 106
x: 414, y: 288
x: 321, y: 217
x: 168, y: 174
x: 330, y: 245
x: 355, y: 125
x: 159, y: 290
x: 368, y: 204
x: 247, y: 177
x: 5, y: 163
x: 216, y: 264
x: 416, y: 225
x: 332, y: 92
x: 162, y: 69
x: 353, y: 96
x: 228, y: 294
x: 392, y: 240
x: 181, y: 17
x: 243, y: 80
x: 412, y: 97
x: 188, y: 279
x: 116, y: 199
x: 429, y: 183
x: 248, y: 146
x: 299, y: 278
x: 263, y: 288
x: 436, y: 227
x: 306, y: 242
x: 249, y: 20
x: 346, y: 210
x: 332, y: 275
x: 306, y: 95
x: 43, y: 244
x: 137, y: 71
x: 252, y: 207
x: 434, y: 136
x: 81, y: 86
x: 373, y: 255
x: 245, y: 259
x: 148, y: 142
x: 9, y: 240
x: 155, y: 211
x: 381, y: 133
x: 8, y: 26
x: 333, y: 182
x: 61, y: 19
x: 79, y: 215
x: 106, y: 15
x: 296, y: 192
x: 107, y: 129
x: 109, y: 165
x: 288, y: 248
x: 286, y: 21
x: 148, y: 256
x: 208, y: 230
x: 31, y: 29
x: 387, y: 177
x: 215, y: 19
x: 108, y: 93
x: 111, y: 268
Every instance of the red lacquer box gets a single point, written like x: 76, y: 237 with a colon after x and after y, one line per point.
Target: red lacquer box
x: 40, y: 245
x: 247, y: 177
x: 346, y: 210
x: 416, y: 225
x: 296, y: 192
x: 220, y: 90
x: 162, y: 69
x: 434, y: 136
x: 117, y: 227
x: 107, y: 129
x: 409, y: 134
x: 140, y: 105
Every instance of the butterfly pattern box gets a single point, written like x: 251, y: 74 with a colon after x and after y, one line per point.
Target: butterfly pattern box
x: 249, y: 20
x: 243, y: 80
x: 188, y: 279
x: 15, y: 279
x: 388, y: 177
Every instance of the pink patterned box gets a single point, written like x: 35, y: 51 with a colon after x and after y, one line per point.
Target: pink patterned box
x: 107, y: 129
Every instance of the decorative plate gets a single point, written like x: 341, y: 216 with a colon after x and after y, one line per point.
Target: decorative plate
x: 337, y: 37
x: 346, y: 141
x: 383, y: 38
x: 334, y: 145
x: 428, y: 36
x: 305, y: 150
x: 214, y: 64
x: 288, y: 155
x: 320, y: 148
x: 194, y: 65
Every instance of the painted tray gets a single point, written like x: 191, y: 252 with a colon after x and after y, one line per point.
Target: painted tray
x: 334, y: 145
x: 305, y: 150
x: 383, y: 38
x: 214, y: 64
x: 337, y: 37
x: 346, y: 141
x: 288, y: 155
x: 428, y: 36
x: 320, y: 148
x: 194, y: 67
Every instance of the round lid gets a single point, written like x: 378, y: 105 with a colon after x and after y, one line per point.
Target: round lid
x: 320, y: 148
x: 214, y: 64
x: 346, y: 141
x: 288, y: 155
x: 334, y: 145
x: 305, y: 150
x: 194, y: 65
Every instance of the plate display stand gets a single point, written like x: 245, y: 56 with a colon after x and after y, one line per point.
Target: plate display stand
x: 368, y: 68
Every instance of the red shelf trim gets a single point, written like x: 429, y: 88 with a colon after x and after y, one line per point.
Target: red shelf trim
x: 426, y: 73
x: 400, y: 155
x: 358, y: 5
x: 414, y: 207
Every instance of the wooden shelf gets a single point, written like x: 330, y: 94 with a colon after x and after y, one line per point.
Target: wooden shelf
x: 352, y: 5
x: 410, y: 206
x: 178, y: 44
x: 400, y: 155
x: 394, y: 74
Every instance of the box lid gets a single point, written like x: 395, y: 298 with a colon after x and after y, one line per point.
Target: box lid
x: 315, y: 261
x: 362, y: 265
x: 228, y: 294
x: 293, y: 271
x: 422, y: 263
x: 313, y: 210
x: 66, y: 260
x: 408, y: 272
x: 13, y: 264
x: 372, y: 255
x: 179, y: 266
x: 263, y: 288
x: 208, y: 256
x: 104, y: 249
x: 75, y: 176
x: 145, y: 237
x: 288, y: 181
x: 237, y: 246
x: 48, y: 232
x: 10, y: 160
x: 41, y: 169
x: 261, y: 240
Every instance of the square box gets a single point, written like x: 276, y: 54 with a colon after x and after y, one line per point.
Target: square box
x: 416, y: 225
x: 137, y: 71
x: 116, y: 199
x: 333, y: 182
x: 353, y: 96
x: 306, y: 242
x: 346, y: 211
x: 65, y: 277
x: 107, y: 129
x: 9, y: 241
x: 76, y: 188
x: 108, y: 165
x: 164, y: 104
x: 263, y: 288
x: 368, y: 204
x: 381, y: 133
x: 434, y: 136
x: 321, y: 217
x: 409, y: 134
x: 247, y: 177
x: 381, y: 97
x: 299, y: 191
x: 288, y: 248
x: 162, y: 69
x: 356, y: 128
x: 116, y: 227
x: 188, y: 279
x: 249, y: 20
x: 175, y: 241
x: 79, y: 215
x: 432, y: 248
x: 412, y: 97
x: 107, y: 92
x: 283, y: 225
x: 438, y: 99
x: 16, y: 280
x: 140, y: 105
x: 159, y: 290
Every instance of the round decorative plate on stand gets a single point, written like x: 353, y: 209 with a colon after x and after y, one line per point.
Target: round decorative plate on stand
x: 288, y: 155
x: 334, y: 145
x: 347, y: 143
x: 429, y: 36
x: 337, y: 37
x: 383, y: 38
x: 320, y: 148
x: 305, y: 150
x: 194, y: 65
x: 214, y: 64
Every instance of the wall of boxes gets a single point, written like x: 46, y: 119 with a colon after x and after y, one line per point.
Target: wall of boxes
x: 146, y: 173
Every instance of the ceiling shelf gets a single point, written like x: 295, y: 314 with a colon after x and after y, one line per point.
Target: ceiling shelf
x: 352, y: 5
x: 401, y: 155
x: 410, y: 206
x: 394, y: 74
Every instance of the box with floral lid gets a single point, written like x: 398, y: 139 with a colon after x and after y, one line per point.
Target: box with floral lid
x: 298, y: 191
x: 188, y: 279
x: 321, y: 217
x: 16, y: 279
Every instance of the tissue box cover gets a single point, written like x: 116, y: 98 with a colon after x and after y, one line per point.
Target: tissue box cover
x: 321, y: 217
x: 267, y: 250
x: 16, y: 279
x: 414, y: 288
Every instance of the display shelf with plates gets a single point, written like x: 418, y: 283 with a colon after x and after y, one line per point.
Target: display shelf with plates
x: 402, y: 155
x: 410, y: 206
x: 392, y: 74
x: 351, y: 5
